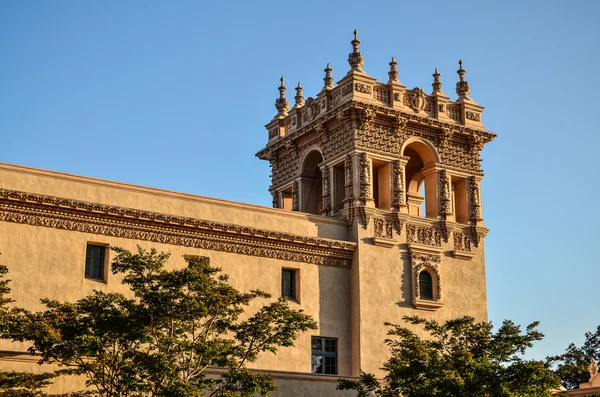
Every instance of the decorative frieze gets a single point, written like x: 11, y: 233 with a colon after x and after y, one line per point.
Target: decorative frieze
x: 114, y: 221
x: 382, y: 228
x: 399, y: 199
x: 462, y: 242
x: 348, y: 185
x: 362, y: 87
x: 423, y: 235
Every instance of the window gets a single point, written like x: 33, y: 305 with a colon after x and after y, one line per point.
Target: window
x: 94, y: 261
x: 324, y: 355
x: 425, y: 285
x: 288, y: 283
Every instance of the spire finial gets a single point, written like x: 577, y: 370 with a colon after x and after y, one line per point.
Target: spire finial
x: 462, y: 87
x: 281, y: 104
x: 328, y: 78
x: 393, y: 73
x: 355, y: 58
x: 437, y: 83
x: 299, y: 97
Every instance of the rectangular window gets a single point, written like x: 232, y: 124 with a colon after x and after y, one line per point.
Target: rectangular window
x: 324, y: 355
x: 94, y: 261
x: 288, y: 283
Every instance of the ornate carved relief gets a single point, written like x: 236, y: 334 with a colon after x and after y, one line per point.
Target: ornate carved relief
x: 462, y: 242
x: 475, y: 116
x: 398, y: 185
x: 362, y: 87
x: 445, y: 202
x: 416, y: 99
x: 348, y: 185
x: 424, y: 261
x: 86, y: 217
x: 423, y: 235
x: 275, y: 195
x: 295, y: 196
x: 454, y: 112
x: 382, y: 228
x: 382, y: 94
x: 474, y: 199
x: 365, y: 177
x: 326, y: 190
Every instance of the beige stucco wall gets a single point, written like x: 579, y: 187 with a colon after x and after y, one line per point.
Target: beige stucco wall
x: 384, y: 288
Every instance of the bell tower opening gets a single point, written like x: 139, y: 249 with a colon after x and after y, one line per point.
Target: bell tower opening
x: 311, y: 180
x: 421, y: 181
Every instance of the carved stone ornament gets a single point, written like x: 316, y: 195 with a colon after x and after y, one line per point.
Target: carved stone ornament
x: 382, y: 228
x: 295, y: 196
x: 348, y: 185
x: 420, y: 262
x: 275, y: 195
x: 398, y: 185
x: 462, y: 242
x: 416, y: 99
x: 311, y: 109
x: 365, y: 177
x: 423, y: 235
x: 85, y: 217
x: 362, y: 87
x: 326, y: 190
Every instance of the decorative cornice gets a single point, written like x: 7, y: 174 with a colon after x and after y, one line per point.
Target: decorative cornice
x: 107, y: 220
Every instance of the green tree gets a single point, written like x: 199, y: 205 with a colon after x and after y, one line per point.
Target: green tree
x: 459, y: 358
x: 160, y: 341
x: 573, y: 364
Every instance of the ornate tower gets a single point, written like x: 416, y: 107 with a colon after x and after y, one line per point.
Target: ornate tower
x: 402, y: 167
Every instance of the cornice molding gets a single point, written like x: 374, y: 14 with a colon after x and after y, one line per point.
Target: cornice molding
x: 86, y: 217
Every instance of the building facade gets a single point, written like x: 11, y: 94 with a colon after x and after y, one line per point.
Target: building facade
x: 377, y: 215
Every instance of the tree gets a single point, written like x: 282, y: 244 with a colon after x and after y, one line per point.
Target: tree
x: 573, y: 365
x: 459, y: 358
x: 160, y: 341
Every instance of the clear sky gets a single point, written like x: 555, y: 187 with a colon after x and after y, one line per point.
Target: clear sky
x: 175, y: 94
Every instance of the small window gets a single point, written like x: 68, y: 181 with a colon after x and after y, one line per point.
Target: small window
x: 288, y: 283
x: 425, y: 285
x: 94, y: 261
x: 324, y: 355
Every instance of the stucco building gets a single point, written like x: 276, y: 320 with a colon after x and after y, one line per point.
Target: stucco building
x: 377, y: 214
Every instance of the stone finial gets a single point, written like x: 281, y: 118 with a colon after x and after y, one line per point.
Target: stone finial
x: 437, y: 83
x: 282, y: 103
x: 355, y: 58
x: 328, y: 78
x: 593, y: 369
x: 299, y: 97
x: 393, y: 73
x: 462, y: 87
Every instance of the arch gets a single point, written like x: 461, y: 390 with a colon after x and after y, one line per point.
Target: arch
x: 425, y: 148
x: 425, y: 285
x: 307, y: 152
x: 419, y: 170
x: 311, y: 181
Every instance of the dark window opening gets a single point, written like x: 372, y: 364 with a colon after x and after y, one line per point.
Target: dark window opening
x: 288, y: 283
x: 94, y: 261
x: 425, y: 285
x: 324, y: 355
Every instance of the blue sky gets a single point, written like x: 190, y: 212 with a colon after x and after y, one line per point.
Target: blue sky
x: 175, y: 95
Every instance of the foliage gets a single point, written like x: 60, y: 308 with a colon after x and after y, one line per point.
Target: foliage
x: 161, y: 339
x: 459, y: 358
x: 573, y: 364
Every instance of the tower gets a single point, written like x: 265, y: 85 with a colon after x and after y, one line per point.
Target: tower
x: 402, y: 167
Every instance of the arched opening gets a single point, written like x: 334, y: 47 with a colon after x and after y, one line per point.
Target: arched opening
x: 425, y: 285
x: 312, y: 184
x: 421, y: 180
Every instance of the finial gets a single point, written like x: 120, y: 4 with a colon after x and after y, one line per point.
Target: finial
x: 328, y: 78
x: 355, y: 58
x: 462, y: 87
x: 299, y: 97
x: 393, y: 73
x: 282, y: 103
x: 437, y: 83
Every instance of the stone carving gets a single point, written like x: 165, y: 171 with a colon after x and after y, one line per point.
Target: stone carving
x: 397, y: 97
x: 399, y: 199
x: 348, y: 185
x: 417, y: 270
x: 295, y: 196
x: 326, y: 190
x: 462, y: 242
x: 365, y: 177
x: 275, y: 195
x: 114, y: 221
x: 416, y: 99
x: 272, y: 133
x: 355, y: 58
x: 347, y: 89
x: 362, y: 87
x: 445, y: 199
x: 281, y: 104
x: 473, y: 115
x: 462, y: 87
x: 441, y: 108
x: 454, y: 113
x: 382, y: 94
x: 421, y: 257
x: 423, y: 235
x: 593, y: 369
x: 474, y: 199
x: 311, y: 110
x: 382, y: 227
